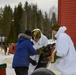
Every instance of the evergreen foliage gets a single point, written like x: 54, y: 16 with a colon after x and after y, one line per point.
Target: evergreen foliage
x: 27, y: 17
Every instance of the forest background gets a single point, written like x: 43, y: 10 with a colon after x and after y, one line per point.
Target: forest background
x: 13, y: 22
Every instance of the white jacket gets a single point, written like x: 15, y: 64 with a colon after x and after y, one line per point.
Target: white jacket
x: 65, y: 49
x: 43, y: 41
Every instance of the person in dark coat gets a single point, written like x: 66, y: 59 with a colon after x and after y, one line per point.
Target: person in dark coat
x: 24, y: 49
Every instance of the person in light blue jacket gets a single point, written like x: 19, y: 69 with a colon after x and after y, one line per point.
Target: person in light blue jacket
x: 24, y: 49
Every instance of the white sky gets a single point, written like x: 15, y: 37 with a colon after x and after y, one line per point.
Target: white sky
x: 44, y: 5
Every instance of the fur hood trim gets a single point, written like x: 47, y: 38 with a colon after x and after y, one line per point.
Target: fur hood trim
x: 24, y: 35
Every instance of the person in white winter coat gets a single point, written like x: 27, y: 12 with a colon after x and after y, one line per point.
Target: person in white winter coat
x: 39, y: 41
x: 65, y: 50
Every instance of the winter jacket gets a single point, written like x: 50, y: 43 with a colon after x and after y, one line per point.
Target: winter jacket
x: 66, y: 64
x: 24, y: 49
x: 43, y: 41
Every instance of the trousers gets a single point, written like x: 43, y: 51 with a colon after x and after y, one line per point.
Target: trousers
x: 21, y: 70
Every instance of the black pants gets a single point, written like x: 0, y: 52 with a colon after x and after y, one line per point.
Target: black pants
x: 21, y: 70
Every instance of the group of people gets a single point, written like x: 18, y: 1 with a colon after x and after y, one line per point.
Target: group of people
x: 30, y: 46
x: 28, y: 50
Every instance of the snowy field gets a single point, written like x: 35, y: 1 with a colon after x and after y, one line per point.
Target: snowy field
x: 8, y: 60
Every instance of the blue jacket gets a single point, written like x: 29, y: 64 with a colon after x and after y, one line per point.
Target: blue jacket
x: 24, y: 49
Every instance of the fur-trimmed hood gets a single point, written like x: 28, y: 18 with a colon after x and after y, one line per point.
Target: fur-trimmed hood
x: 24, y: 35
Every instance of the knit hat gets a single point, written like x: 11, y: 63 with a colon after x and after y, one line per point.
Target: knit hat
x: 36, y: 34
x: 28, y: 32
x: 43, y: 71
x: 55, y: 27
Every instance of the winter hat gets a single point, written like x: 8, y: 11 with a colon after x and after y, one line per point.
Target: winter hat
x: 36, y: 34
x: 43, y: 71
x: 28, y: 32
x: 55, y: 27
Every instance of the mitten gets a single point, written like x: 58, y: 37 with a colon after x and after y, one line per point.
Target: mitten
x: 54, y: 56
x: 40, y: 50
x: 33, y: 62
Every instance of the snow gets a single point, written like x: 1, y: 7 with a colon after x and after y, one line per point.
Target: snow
x: 51, y: 41
x: 8, y: 60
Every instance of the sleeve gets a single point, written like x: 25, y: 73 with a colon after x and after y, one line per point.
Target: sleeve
x: 31, y: 49
x: 45, y: 41
x: 62, y: 46
x: 37, y: 46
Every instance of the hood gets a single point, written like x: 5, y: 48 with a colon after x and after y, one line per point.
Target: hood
x: 37, y: 29
x: 22, y: 37
x: 61, y: 30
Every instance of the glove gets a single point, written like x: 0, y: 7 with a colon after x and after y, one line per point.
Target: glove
x: 54, y: 56
x: 33, y: 62
x: 40, y: 50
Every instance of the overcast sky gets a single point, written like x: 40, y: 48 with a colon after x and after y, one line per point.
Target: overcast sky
x: 44, y: 5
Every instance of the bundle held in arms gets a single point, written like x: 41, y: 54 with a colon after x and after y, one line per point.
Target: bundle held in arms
x: 53, y: 55
x: 45, y: 52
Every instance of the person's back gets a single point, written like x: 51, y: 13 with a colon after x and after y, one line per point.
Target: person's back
x: 23, y: 51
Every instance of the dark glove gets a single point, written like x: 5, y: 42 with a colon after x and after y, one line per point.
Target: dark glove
x: 56, y: 57
x: 33, y: 62
x: 41, y: 50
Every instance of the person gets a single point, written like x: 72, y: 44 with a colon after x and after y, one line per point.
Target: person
x: 40, y: 41
x: 65, y: 50
x: 5, y: 48
x: 24, y: 49
x: 43, y: 71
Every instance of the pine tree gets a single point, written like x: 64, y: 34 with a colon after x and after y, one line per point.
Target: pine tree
x: 6, y: 21
x: 18, y: 11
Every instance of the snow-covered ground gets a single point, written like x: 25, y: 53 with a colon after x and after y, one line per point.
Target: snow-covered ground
x: 8, y: 60
x: 51, y: 41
